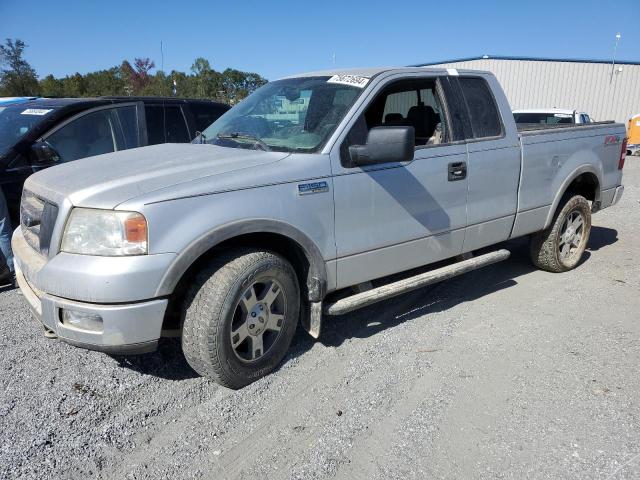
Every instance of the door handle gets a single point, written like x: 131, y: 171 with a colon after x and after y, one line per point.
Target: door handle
x: 457, y: 171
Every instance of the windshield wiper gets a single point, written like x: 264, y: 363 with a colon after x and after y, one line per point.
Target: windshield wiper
x: 244, y: 136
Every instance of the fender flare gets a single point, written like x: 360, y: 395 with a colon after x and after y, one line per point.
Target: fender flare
x: 565, y: 185
x: 317, y: 276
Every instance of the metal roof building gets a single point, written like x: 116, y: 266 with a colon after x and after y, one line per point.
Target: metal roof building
x: 583, y: 85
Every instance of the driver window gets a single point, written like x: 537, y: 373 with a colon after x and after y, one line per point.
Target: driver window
x: 91, y: 134
x: 414, y: 103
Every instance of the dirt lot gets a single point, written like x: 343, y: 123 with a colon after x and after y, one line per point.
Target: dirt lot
x: 507, y: 372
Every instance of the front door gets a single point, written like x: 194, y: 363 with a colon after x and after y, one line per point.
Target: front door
x: 396, y: 216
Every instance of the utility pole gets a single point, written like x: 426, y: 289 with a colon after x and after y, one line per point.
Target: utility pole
x: 613, y: 59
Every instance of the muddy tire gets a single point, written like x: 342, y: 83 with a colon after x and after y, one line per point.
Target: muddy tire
x: 240, y: 316
x: 560, y: 247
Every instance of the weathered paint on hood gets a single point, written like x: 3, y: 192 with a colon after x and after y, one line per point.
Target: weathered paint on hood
x: 105, y: 181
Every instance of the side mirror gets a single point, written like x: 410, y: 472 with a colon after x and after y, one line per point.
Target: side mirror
x: 385, y: 145
x: 44, y: 154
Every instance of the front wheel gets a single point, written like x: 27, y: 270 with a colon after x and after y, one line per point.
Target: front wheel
x: 240, y: 316
x: 560, y: 247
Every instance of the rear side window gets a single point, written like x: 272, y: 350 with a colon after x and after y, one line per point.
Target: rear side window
x: 483, y: 112
x: 204, y: 115
x: 166, y: 124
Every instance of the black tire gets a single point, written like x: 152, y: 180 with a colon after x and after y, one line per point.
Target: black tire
x: 546, y: 245
x: 213, y: 307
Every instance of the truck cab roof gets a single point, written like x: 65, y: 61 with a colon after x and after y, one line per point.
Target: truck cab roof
x: 370, y: 72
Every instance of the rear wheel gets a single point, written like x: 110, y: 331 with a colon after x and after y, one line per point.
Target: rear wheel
x: 240, y: 316
x: 560, y: 247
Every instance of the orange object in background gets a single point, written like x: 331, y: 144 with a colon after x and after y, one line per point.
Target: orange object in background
x: 633, y: 131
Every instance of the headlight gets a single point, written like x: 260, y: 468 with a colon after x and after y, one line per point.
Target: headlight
x: 105, y: 233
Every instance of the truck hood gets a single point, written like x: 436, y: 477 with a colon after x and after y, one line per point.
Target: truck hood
x: 105, y: 181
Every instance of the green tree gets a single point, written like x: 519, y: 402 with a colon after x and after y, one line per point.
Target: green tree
x: 203, y: 81
x: 74, y: 86
x: 17, y: 78
x: 51, y: 87
x: 208, y: 82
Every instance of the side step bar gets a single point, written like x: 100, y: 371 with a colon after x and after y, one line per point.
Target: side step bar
x: 363, y: 299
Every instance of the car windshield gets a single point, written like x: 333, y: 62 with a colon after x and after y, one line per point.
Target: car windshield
x: 291, y: 115
x: 548, y: 118
x: 16, y: 121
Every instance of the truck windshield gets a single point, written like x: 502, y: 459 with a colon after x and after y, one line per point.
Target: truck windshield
x: 16, y: 121
x: 291, y: 115
x: 547, y: 118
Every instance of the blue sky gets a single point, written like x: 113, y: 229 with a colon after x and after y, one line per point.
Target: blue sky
x: 277, y: 38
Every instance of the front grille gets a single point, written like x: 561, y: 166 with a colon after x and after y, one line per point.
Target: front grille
x: 37, y: 219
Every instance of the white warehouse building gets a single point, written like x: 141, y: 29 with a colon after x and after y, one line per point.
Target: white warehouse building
x: 584, y: 85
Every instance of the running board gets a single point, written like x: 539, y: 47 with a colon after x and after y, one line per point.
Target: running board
x: 363, y: 299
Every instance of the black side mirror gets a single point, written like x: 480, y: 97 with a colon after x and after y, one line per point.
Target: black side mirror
x: 385, y: 145
x: 44, y: 154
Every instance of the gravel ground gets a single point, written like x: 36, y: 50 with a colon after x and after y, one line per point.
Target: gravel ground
x: 507, y: 372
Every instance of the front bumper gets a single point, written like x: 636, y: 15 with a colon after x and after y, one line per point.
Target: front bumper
x: 128, y: 327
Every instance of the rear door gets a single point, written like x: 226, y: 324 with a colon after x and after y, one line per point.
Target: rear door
x: 494, y: 162
x: 395, y: 216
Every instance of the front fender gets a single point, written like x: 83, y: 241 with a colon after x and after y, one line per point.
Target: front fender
x: 317, y: 277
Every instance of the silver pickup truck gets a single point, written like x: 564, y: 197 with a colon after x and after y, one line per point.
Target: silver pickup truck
x: 298, y: 203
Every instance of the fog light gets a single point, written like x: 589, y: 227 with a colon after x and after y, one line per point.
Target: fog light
x: 82, y: 320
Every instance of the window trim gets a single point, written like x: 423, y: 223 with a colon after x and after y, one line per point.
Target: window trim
x: 503, y: 132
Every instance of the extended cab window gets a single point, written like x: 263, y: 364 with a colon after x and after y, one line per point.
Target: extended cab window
x: 482, y: 108
x: 88, y: 135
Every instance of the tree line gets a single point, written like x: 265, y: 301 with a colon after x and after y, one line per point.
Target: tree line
x: 19, y: 79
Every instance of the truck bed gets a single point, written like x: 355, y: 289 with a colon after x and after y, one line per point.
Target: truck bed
x: 552, y: 155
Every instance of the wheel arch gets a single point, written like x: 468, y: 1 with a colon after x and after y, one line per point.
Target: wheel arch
x: 585, y: 181
x: 274, y: 235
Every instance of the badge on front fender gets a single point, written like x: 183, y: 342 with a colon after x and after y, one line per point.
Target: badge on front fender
x: 314, y: 187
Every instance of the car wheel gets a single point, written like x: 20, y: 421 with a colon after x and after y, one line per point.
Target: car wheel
x: 560, y: 247
x: 240, y: 316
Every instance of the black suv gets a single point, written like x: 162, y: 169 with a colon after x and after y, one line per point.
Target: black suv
x: 43, y: 132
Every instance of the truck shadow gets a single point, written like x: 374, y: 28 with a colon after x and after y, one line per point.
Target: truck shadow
x: 601, y: 237
x: 166, y: 362
x: 435, y: 298
x: 169, y: 363
x: 439, y: 297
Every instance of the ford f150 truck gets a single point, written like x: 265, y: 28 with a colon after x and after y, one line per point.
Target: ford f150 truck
x: 288, y: 207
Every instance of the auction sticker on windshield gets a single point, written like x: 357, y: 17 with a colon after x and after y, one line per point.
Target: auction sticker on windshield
x: 353, y: 80
x: 35, y: 111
